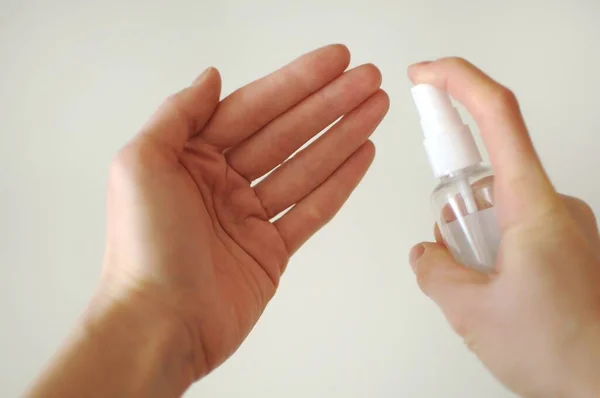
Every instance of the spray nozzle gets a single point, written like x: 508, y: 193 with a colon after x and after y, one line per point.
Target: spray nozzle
x: 448, y: 141
x: 435, y: 110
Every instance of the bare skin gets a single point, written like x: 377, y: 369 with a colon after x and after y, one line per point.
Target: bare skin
x: 192, y: 255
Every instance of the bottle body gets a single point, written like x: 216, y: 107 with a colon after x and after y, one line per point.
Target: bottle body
x: 463, y: 204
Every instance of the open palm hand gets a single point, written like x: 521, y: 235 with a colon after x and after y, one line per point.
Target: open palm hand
x: 190, y: 229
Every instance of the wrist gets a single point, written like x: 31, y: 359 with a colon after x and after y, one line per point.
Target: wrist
x: 123, y: 347
x: 151, y: 345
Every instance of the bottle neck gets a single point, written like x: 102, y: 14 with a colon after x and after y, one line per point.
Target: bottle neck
x: 461, y: 173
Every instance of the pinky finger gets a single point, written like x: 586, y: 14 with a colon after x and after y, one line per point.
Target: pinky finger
x: 322, y: 204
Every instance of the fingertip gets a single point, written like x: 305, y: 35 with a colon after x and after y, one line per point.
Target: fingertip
x: 363, y: 156
x: 373, y: 73
x: 435, y: 72
x: 338, y: 54
x: 205, y: 76
x: 218, y: 79
x: 343, y: 52
x: 208, y: 82
x: 413, y: 70
x: 436, y: 265
x: 369, y: 148
x: 214, y: 71
x: 379, y: 103
x: 364, y: 78
x: 415, y: 254
x: 385, y: 98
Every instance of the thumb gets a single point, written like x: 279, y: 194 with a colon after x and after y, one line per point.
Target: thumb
x: 183, y: 115
x: 452, y: 286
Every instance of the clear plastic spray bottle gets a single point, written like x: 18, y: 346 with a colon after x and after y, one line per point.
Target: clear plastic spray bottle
x: 463, y: 201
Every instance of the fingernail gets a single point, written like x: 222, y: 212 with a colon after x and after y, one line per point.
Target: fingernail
x: 418, y: 64
x: 415, y: 255
x: 422, y: 63
x: 203, y: 76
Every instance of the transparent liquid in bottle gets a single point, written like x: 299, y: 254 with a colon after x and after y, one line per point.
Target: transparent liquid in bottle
x: 463, y: 203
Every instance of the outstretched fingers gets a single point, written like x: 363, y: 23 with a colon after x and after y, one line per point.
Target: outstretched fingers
x: 250, y: 108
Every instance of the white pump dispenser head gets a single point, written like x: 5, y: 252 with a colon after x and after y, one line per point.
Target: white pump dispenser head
x: 448, y: 141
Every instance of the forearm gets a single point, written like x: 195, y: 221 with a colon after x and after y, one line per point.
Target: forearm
x: 120, y: 350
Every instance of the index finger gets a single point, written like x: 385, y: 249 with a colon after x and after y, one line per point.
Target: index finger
x: 522, y: 186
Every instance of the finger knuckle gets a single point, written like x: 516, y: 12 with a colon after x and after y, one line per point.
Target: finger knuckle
x: 319, y: 215
x: 315, y: 215
x: 269, y: 209
x: 585, y: 208
x: 172, y: 102
x: 129, y: 160
x: 424, y: 277
x: 456, y: 61
x: 175, y: 105
x: 578, y: 208
x: 502, y: 97
x: 469, y: 340
x: 588, y: 213
x: 119, y: 163
x: 460, y: 320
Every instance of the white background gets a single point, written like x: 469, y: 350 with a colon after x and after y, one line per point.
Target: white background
x: 77, y: 79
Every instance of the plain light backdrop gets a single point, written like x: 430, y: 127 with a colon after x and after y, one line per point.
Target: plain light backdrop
x: 78, y: 78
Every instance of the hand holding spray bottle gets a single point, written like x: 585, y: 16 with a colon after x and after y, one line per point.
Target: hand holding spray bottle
x: 463, y: 201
